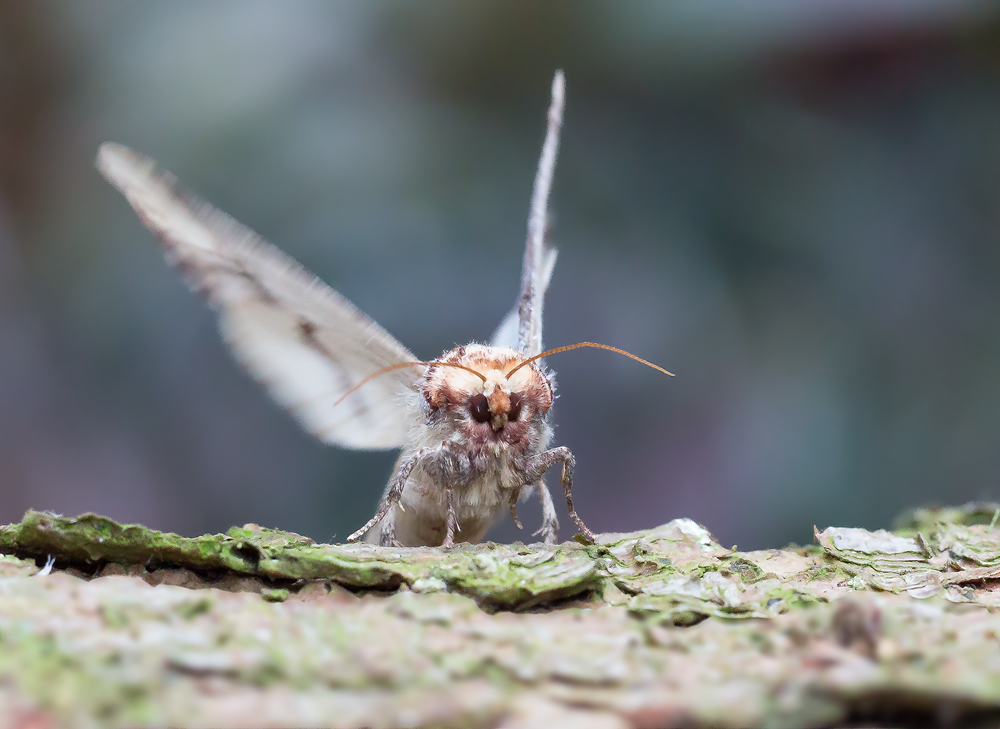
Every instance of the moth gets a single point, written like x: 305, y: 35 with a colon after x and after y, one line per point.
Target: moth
x: 473, y: 425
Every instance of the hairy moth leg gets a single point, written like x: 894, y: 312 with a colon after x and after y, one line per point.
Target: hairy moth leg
x: 394, y: 492
x: 514, y: 494
x: 550, y: 522
x: 445, y: 465
x: 541, y: 462
x: 387, y: 534
x: 449, y: 467
x: 451, y: 520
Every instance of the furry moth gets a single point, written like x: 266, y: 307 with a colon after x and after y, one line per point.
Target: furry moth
x: 472, y: 426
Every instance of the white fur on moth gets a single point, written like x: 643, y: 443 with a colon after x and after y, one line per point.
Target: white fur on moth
x: 473, y: 425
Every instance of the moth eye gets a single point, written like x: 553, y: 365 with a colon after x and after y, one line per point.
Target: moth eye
x: 479, y: 408
x: 515, y: 407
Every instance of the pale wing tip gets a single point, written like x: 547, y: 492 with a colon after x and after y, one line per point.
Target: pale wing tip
x: 122, y: 166
x: 111, y: 156
x: 558, y: 84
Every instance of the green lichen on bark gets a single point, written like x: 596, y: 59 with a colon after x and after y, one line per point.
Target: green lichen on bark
x: 878, y: 626
x: 497, y: 576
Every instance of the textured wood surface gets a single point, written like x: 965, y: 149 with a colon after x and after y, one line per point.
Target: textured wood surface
x: 662, y: 627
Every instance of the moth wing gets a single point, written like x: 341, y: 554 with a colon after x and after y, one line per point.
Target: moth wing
x: 508, y: 333
x: 303, y: 341
x: 539, y: 258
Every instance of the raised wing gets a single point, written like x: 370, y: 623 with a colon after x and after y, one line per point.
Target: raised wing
x: 539, y: 258
x: 298, y: 337
x: 508, y: 333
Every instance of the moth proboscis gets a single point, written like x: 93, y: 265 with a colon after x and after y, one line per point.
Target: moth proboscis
x: 473, y: 425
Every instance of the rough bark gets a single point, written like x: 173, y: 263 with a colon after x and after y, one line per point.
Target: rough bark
x: 654, y: 628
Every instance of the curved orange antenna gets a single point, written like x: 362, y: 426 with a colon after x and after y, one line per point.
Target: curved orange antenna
x: 400, y: 366
x: 595, y: 345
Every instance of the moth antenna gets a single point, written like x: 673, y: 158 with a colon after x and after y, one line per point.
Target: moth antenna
x: 594, y: 345
x: 399, y: 366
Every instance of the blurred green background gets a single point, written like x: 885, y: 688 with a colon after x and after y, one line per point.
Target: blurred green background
x: 795, y: 206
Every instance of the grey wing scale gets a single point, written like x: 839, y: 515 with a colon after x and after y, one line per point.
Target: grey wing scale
x: 305, y: 342
x: 539, y: 257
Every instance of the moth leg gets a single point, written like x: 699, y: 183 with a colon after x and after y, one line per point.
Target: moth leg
x: 567, y: 481
x: 451, y: 521
x: 513, y: 507
x: 550, y: 522
x: 393, y: 492
x: 448, y: 466
x: 562, y: 455
x: 387, y: 535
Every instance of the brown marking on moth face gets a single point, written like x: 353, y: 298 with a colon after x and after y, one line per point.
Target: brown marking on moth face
x: 439, y: 394
x: 531, y: 394
x: 520, y: 435
x: 516, y: 401
x: 499, y: 402
x: 515, y: 432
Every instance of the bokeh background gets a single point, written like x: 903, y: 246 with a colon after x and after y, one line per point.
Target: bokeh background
x: 795, y: 206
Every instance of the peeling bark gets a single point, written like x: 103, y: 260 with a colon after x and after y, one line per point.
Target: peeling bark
x: 662, y: 627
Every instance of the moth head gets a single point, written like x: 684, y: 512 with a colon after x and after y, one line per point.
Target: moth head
x: 489, y: 386
x: 479, y: 391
